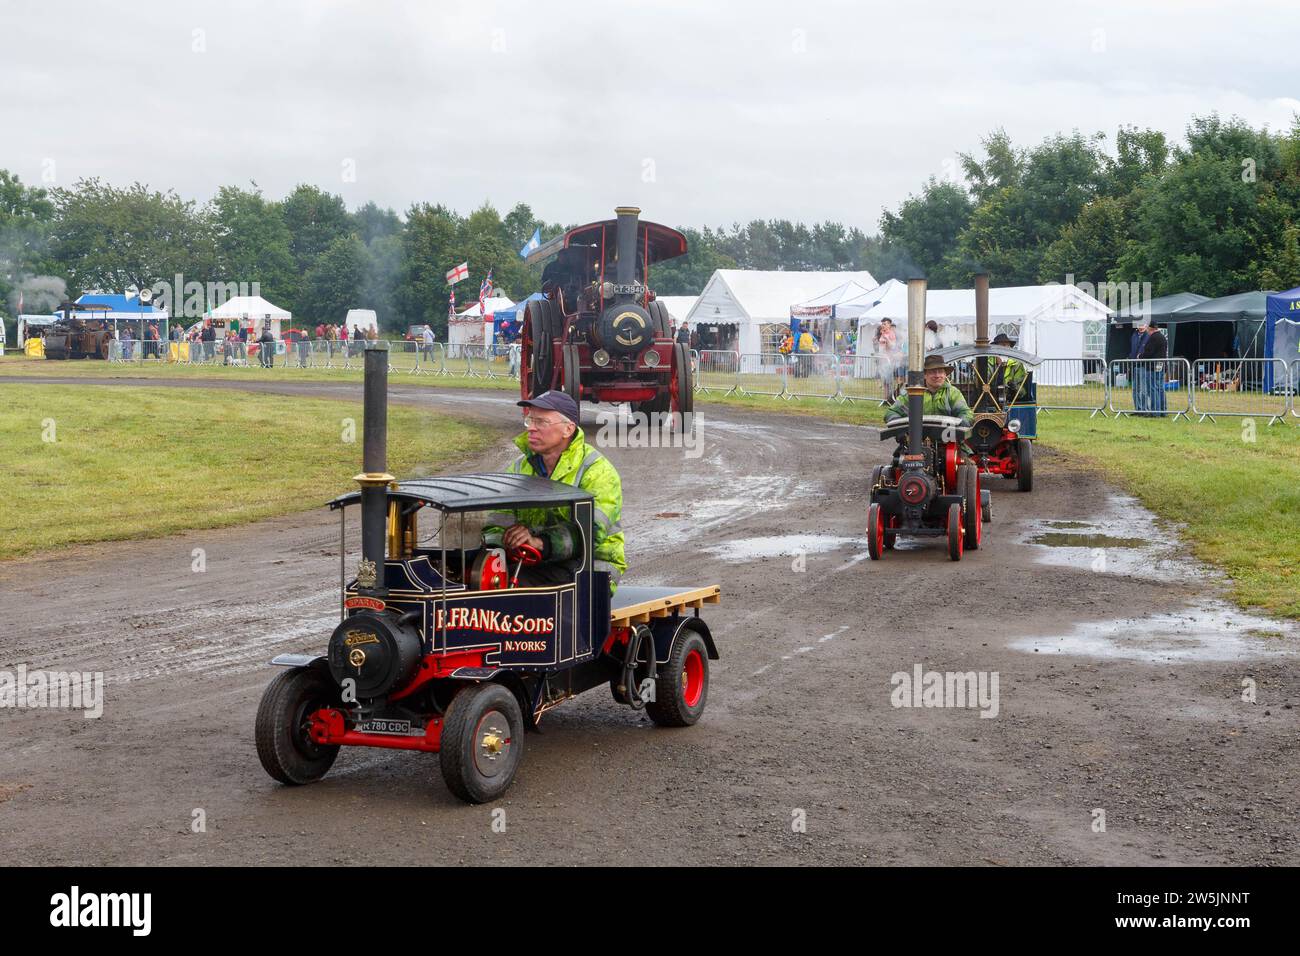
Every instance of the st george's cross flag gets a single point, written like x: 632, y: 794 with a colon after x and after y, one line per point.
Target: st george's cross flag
x: 458, y: 273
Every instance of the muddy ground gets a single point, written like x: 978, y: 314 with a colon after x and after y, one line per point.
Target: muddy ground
x: 1120, y: 688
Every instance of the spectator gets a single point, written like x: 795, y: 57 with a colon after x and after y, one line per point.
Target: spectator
x: 885, y: 342
x: 684, y: 335
x: 208, y: 337
x: 932, y: 341
x: 266, y: 347
x: 1137, y: 371
x: 427, y: 348
x: 1155, y: 349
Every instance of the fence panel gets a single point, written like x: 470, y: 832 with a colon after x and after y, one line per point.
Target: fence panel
x: 868, y: 378
x: 1150, y: 387
x: 716, y: 371
x: 1240, y: 387
x: 811, y: 375
x: 404, y: 356
x: 1071, y: 383
x: 1293, y: 386
x: 762, y: 374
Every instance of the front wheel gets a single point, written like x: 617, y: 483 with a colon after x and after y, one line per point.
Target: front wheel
x: 482, y: 742
x: 968, y: 482
x: 1025, y: 466
x: 682, y: 687
x: 284, y: 744
x: 875, y: 531
x: 956, y: 533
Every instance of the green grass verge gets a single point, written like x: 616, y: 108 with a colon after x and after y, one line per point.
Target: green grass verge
x: 153, y: 461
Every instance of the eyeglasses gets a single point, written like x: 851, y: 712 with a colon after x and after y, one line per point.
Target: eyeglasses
x: 531, y: 422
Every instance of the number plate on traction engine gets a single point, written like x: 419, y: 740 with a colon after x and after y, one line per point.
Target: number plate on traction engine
x: 399, y: 728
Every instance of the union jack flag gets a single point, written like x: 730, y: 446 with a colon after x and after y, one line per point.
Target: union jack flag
x: 484, y: 291
x: 451, y: 305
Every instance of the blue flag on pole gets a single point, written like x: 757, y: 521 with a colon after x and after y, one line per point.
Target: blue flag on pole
x: 532, y: 243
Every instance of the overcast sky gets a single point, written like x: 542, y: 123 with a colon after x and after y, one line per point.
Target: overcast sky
x: 701, y: 113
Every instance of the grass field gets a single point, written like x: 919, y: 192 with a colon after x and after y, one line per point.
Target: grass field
x: 87, y: 463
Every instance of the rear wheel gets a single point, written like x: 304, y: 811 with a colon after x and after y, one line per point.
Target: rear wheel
x: 875, y: 531
x: 660, y: 320
x: 1025, y: 465
x: 482, y: 742
x: 682, y: 387
x: 682, y: 687
x: 284, y: 745
x: 956, y: 534
x: 968, y: 483
x: 537, y: 360
x: 572, y: 374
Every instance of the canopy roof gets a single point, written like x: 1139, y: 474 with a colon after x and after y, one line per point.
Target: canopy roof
x: 1228, y: 308
x: 663, y: 243
x: 516, y: 311
x: 1064, y: 303
x: 1159, y: 310
x: 481, y: 492
x: 113, y: 302
x: 1284, y: 305
x: 954, y: 352
x: 247, y: 307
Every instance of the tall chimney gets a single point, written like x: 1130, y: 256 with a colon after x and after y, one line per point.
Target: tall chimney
x: 374, y: 477
x: 625, y: 244
x: 915, y: 362
x: 981, y: 309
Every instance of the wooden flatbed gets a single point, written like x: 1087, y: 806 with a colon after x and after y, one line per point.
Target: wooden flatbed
x: 633, y: 605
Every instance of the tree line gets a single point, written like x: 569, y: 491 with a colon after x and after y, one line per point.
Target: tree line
x: 1215, y: 214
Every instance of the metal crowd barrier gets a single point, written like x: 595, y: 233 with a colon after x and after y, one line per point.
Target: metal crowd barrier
x: 1071, y: 384
x: 1293, y: 385
x: 762, y: 374
x: 811, y: 375
x: 1150, y: 387
x: 868, y: 378
x: 1240, y: 388
x: 716, y: 371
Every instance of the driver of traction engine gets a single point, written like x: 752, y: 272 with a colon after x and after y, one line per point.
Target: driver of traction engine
x: 554, y: 447
x: 941, y: 396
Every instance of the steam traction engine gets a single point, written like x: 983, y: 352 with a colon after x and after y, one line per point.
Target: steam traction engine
x: 599, y: 334
x: 929, y: 489
x: 73, y: 336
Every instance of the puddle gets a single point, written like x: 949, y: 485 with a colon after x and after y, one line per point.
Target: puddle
x: 1058, y: 539
x: 782, y: 545
x: 1123, y: 538
x: 1214, y: 633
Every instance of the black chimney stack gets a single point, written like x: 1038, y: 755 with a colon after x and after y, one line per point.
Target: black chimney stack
x: 625, y: 244
x: 374, y: 478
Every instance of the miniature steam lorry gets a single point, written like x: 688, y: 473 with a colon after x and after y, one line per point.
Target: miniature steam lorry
x: 929, y: 489
x: 438, y: 648
x: 600, y: 334
x: 997, y: 382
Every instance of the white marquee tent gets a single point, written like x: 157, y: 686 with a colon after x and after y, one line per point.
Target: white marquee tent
x: 251, y: 311
x: 1051, y: 321
x: 750, y: 299
x: 471, y: 327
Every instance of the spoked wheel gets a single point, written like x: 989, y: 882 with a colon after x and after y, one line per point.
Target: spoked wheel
x: 682, y: 687
x: 956, y: 533
x: 1025, y: 466
x: 284, y: 744
x: 682, y: 388
x: 482, y: 742
x: 968, y: 483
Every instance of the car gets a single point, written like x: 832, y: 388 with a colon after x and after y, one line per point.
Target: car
x: 600, y: 334
x: 439, y: 649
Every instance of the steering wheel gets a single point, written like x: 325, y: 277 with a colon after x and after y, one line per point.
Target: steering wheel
x: 524, y: 553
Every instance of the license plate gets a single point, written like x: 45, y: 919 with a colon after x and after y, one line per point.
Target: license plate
x: 400, y: 728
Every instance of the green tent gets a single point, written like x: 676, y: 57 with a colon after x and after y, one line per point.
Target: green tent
x: 1157, y: 310
x: 1229, y: 324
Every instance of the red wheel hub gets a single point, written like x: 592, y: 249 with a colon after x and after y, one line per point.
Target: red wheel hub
x: 693, y: 679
